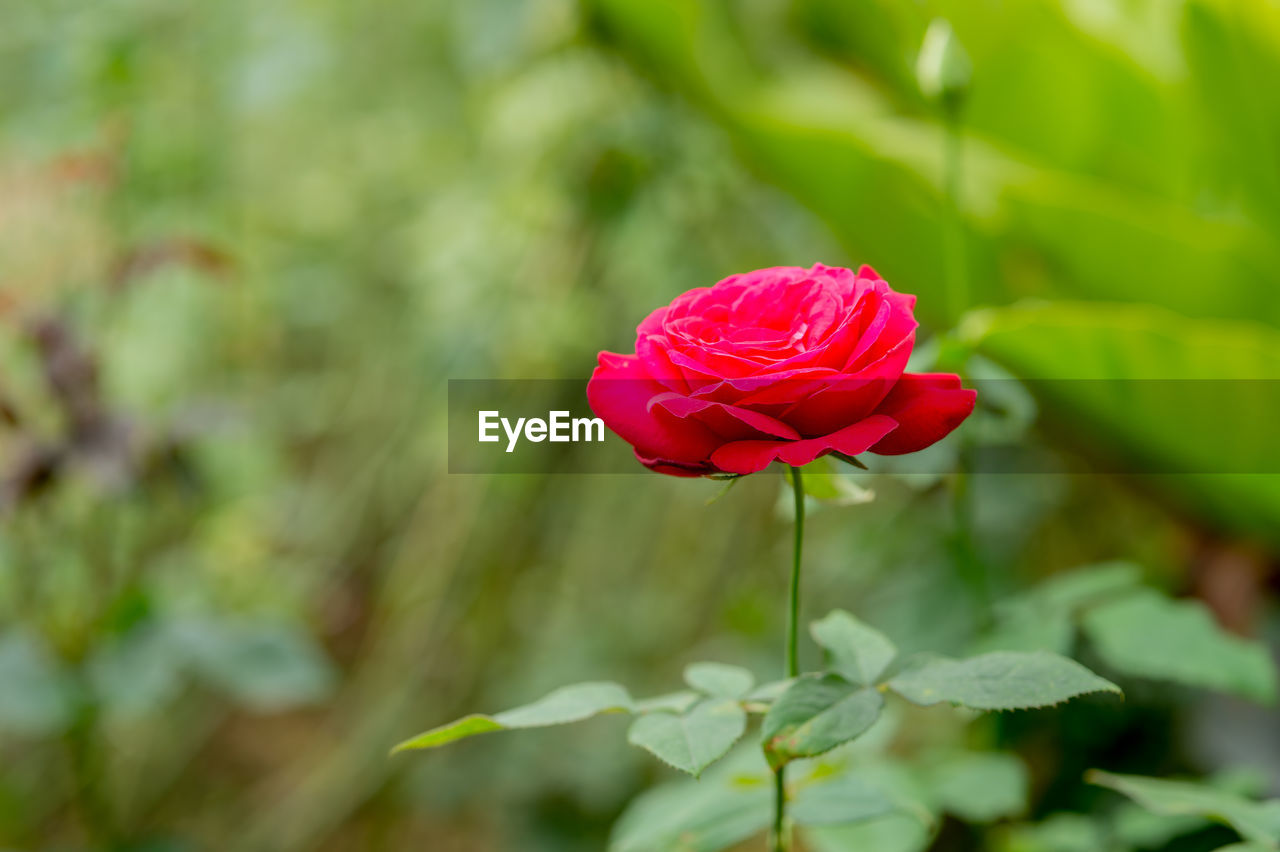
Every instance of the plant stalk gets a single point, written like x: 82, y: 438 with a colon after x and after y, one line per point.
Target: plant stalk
x: 781, y: 837
x: 957, y: 278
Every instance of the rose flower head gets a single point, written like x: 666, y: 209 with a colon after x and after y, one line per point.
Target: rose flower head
x: 782, y: 364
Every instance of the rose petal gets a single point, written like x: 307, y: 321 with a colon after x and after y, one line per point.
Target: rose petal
x: 751, y: 456
x: 728, y: 421
x: 928, y: 406
x: 619, y: 394
x: 672, y: 469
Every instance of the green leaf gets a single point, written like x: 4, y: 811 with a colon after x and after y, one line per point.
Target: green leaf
x: 857, y: 651
x: 138, y: 672
x: 1001, y: 680
x: 816, y: 714
x: 1128, y: 379
x: 562, y: 706
x: 889, y: 833
x: 842, y: 799
x: 1149, y: 635
x: 848, y: 459
x: 729, y: 480
x: 1071, y: 590
x: 1137, y: 827
x: 719, y: 680
x: 1023, y: 628
x: 769, y: 692
x: 979, y: 787
x: 671, y: 702
x: 36, y: 695
x: 729, y: 804
x: 694, y: 740
x: 1041, y: 619
x: 1060, y: 832
x: 1258, y: 822
x: 266, y: 667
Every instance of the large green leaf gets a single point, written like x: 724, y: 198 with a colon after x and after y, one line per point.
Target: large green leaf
x: 693, y: 740
x: 1190, y: 400
x: 1227, y: 45
x: 855, y: 650
x: 564, y: 705
x: 1258, y: 822
x: 1149, y: 635
x: 1001, y: 680
x: 816, y: 714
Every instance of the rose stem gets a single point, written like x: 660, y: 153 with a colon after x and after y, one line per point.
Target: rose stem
x: 781, y: 841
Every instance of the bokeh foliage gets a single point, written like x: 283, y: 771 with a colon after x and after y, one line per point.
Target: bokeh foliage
x: 243, y: 246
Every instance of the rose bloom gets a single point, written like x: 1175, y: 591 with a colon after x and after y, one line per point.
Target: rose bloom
x: 783, y: 364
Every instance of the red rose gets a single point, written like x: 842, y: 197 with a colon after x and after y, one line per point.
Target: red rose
x: 783, y: 364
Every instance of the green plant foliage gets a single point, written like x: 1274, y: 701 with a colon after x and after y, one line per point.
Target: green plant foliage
x: 826, y: 485
x: 1121, y: 386
x: 1137, y: 630
x: 766, y: 694
x: 978, y: 787
x: 1257, y: 822
x: 671, y: 702
x: 729, y: 804
x: 693, y: 740
x: 562, y: 706
x: 1060, y: 832
x: 1070, y: 591
x: 817, y: 713
x: 1052, y: 203
x: 37, y: 697
x: 719, y: 680
x: 1001, y: 680
x: 265, y: 667
x: 855, y: 650
x: 1134, y: 825
x: 891, y: 833
x: 843, y: 799
x: 1148, y: 635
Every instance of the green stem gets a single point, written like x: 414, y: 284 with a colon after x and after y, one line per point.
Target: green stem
x: 793, y: 618
x: 85, y: 752
x: 781, y: 839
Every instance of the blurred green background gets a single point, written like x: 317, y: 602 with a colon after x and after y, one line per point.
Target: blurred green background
x: 244, y: 245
